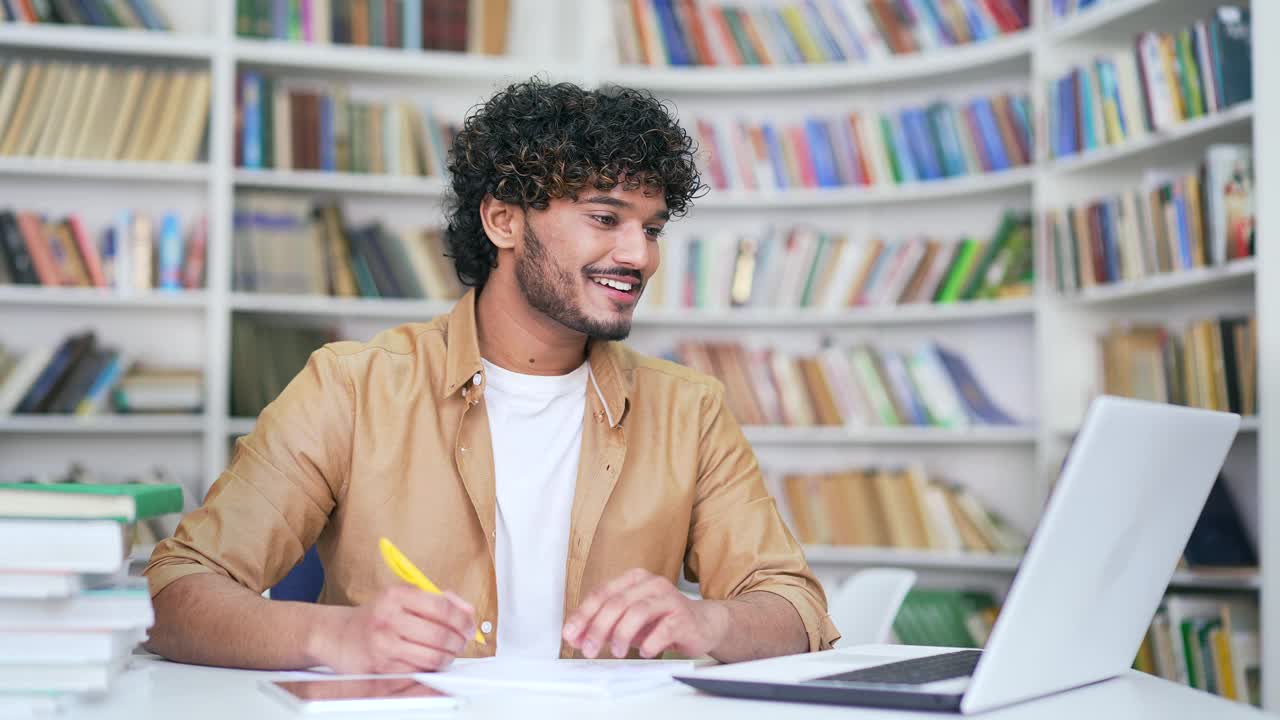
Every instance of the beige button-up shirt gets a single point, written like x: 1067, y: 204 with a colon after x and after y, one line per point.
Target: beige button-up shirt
x: 390, y: 438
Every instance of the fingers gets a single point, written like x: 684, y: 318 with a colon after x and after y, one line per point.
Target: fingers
x: 577, y: 623
x: 639, y: 602
x: 666, y: 633
x: 448, y: 611
x: 640, y: 616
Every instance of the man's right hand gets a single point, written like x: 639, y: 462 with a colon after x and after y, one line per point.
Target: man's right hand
x: 401, y: 630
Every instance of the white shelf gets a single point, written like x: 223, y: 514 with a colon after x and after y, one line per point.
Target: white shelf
x: 1016, y: 178
x: 104, y: 170
x: 1154, y: 142
x: 390, y: 62
x: 935, y: 560
x: 323, y: 306
x: 834, y: 555
x: 1015, y: 47
x: 159, y: 424
x: 39, y: 296
x: 106, y: 41
x: 1216, y: 580
x: 1084, y: 22
x: 839, y: 436
x: 341, y: 182
x: 1248, y: 425
x: 921, y: 313
x: 1184, y: 282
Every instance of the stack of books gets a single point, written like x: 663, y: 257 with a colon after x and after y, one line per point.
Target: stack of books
x: 80, y: 376
x: 70, y: 615
x: 284, y: 244
x: 134, y: 253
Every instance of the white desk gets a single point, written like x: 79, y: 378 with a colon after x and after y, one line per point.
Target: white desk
x: 169, y: 691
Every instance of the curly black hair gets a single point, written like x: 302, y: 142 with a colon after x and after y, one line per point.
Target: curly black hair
x: 535, y: 141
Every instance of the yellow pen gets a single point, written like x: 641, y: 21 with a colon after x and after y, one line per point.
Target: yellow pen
x: 407, y: 572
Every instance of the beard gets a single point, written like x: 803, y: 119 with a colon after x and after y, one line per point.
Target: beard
x: 553, y: 291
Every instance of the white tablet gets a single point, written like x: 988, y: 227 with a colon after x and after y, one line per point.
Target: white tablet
x: 359, y: 694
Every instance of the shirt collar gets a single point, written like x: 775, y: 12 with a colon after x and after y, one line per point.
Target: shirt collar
x: 608, y: 379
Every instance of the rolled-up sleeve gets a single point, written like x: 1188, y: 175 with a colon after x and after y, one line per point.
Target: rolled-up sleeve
x: 738, y: 542
x: 274, y: 499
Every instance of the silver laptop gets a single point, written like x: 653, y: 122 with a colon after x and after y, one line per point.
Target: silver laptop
x: 1090, y: 582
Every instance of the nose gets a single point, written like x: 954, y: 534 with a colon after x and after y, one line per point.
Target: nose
x: 632, y: 247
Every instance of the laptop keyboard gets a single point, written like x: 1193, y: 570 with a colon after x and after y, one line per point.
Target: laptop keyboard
x: 916, y: 671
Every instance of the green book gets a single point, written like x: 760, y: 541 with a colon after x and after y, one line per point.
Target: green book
x: 960, y: 271
x: 123, y: 503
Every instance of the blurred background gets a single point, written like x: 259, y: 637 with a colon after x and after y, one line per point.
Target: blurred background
x: 936, y: 230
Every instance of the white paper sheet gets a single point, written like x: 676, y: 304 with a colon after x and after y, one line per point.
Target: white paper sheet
x: 586, y: 678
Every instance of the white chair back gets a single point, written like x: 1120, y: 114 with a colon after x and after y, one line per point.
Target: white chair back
x: 863, y: 608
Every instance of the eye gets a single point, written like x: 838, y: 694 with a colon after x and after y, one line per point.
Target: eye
x: 606, y: 220
x: 655, y: 231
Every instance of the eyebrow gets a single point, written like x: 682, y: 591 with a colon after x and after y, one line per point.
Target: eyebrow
x: 623, y: 204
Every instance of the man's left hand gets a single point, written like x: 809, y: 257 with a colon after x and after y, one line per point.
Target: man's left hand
x: 645, y: 611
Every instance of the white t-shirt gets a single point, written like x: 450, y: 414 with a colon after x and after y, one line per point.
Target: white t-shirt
x: 535, y: 422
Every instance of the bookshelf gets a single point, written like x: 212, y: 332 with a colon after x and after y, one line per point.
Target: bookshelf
x: 1029, y: 350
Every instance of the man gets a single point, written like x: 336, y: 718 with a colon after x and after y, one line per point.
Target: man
x: 553, y: 480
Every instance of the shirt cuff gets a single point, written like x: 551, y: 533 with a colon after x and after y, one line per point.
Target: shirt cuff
x: 818, y: 627
x: 160, y: 577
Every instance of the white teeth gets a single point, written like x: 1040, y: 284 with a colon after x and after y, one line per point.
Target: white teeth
x: 616, y: 285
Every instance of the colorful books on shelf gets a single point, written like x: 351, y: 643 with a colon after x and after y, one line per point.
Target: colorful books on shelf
x: 894, y: 507
x: 867, y: 148
x: 1173, y: 221
x: 1208, y: 642
x: 474, y: 26
x: 945, y: 618
x: 1067, y: 8
x: 71, y: 614
x: 284, y: 124
x: 855, y: 387
x: 1165, y: 80
x: 1210, y: 363
x: 135, y: 252
x: 96, y: 111
x: 789, y: 32
x: 265, y: 356
x: 133, y: 14
x: 80, y: 376
x: 805, y: 267
x: 283, y: 244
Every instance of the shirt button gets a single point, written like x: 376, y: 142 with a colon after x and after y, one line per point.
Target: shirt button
x: 486, y: 627
x: 475, y: 379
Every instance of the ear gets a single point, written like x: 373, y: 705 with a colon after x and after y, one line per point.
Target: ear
x: 501, y: 221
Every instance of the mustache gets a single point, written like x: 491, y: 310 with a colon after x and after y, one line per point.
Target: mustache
x: 615, y: 271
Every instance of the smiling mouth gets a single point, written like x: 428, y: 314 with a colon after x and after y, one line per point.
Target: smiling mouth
x: 626, y: 286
